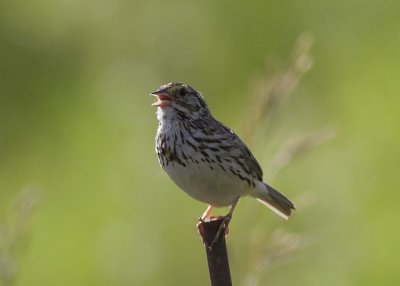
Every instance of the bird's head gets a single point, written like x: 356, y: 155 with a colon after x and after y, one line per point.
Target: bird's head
x: 179, y: 98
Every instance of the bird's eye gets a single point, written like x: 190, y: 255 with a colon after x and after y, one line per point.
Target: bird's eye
x: 182, y: 91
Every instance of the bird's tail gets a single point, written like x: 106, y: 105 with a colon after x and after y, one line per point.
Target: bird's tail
x: 275, y: 201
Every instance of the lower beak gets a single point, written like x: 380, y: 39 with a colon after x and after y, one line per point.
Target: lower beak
x: 163, y: 100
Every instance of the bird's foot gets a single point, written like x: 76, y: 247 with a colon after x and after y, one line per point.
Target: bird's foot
x: 200, y: 228
x: 225, y: 223
x: 222, y: 228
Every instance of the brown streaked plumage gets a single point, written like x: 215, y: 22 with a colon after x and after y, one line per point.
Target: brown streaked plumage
x: 205, y: 158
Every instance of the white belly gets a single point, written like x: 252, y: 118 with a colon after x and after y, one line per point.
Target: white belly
x: 212, y: 186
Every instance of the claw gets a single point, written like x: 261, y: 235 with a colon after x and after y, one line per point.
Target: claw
x: 223, y: 227
x: 199, y: 226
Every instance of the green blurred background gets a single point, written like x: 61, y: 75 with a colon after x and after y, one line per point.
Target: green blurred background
x: 76, y: 124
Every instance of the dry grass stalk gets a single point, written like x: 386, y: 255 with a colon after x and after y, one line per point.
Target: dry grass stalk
x: 270, y: 91
x: 274, y: 88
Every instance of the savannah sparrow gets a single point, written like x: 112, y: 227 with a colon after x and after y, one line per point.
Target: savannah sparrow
x: 205, y: 158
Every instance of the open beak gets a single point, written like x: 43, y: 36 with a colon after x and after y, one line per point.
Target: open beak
x: 163, y: 99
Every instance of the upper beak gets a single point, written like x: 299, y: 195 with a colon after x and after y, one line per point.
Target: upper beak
x: 163, y: 99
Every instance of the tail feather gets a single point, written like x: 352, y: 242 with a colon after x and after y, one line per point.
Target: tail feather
x: 276, y: 202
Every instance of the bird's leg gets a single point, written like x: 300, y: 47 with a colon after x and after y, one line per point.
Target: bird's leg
x: 226, y: 221
x: 207, y: 213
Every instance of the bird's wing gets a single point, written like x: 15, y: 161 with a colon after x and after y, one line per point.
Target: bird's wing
x: 241, y: 151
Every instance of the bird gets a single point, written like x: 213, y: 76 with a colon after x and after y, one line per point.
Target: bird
x: 205, y: 158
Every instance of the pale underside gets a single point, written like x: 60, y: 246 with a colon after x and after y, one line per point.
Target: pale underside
x: 212, y: 186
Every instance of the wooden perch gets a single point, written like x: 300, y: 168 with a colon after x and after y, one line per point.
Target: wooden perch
x: 217, y: 255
